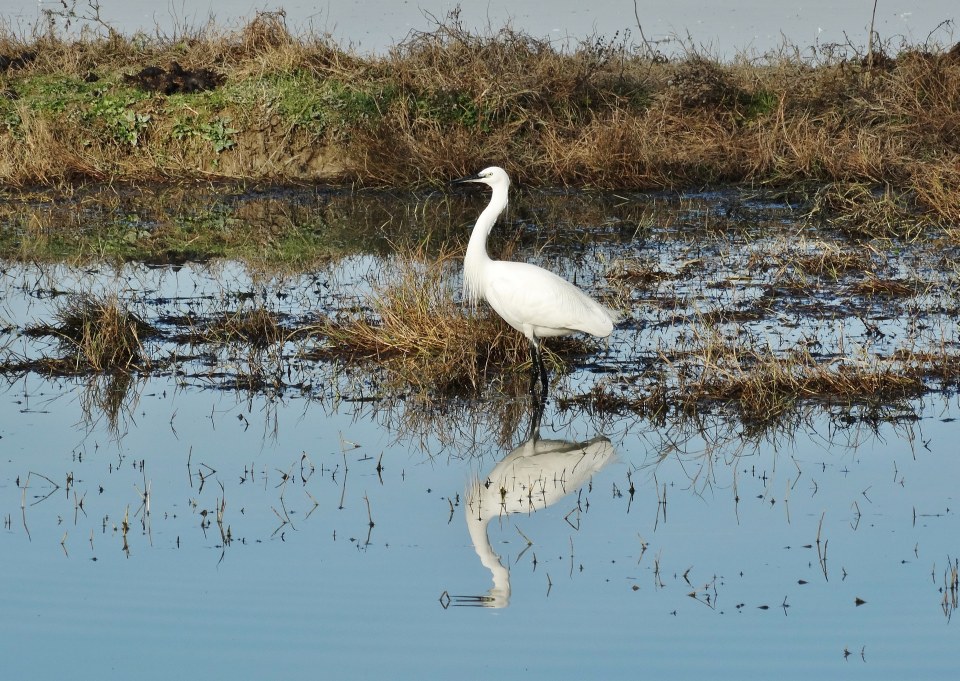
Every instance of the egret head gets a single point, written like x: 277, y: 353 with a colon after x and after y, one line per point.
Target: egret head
x: 494, y: 176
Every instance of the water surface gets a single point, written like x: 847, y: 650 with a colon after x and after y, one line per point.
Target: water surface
x: 183, y: 524
x: 724, y: 29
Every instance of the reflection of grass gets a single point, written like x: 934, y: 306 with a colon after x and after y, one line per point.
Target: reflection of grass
x: 112, y: 396
x: 492, y: 422
x: 290, y: 229
x: 268, y: 231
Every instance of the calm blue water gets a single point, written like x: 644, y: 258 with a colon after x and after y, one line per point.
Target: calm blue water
x: 609, y: 586
x: 736, y: 556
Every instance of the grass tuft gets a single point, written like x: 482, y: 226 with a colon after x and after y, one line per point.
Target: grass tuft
x: 257, y: 327
x: 413, y: 325
x: 97, y: 334
x: 765, y: 385
x: 860, y: 211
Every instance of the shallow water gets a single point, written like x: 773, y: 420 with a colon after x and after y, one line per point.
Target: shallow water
x: 711, y: 566
x: 193, y: 527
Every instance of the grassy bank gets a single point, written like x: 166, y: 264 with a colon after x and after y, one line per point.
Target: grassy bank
x: 263, y: 105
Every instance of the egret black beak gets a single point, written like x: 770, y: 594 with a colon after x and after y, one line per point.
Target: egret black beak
x: 469, y: 178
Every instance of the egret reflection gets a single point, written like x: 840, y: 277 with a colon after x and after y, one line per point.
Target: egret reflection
x: 536, y: 474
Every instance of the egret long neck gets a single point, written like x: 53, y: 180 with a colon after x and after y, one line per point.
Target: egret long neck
x: 476, y: 257
x: 500, y: 593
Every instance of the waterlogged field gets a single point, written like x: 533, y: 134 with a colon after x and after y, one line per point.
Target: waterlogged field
x: 757, y: 472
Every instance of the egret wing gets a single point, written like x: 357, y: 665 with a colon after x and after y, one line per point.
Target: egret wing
x: 527, y: 295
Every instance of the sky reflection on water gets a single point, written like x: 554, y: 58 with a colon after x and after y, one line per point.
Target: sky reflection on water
x: 307, y: 531
x: 724, y: 578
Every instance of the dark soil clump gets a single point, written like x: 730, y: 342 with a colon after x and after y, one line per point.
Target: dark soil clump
x: 175, y: 79
x: 16, y: 61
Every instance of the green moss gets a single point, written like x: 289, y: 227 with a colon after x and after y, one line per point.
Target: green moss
x: 450, y: 107
x: 758, y: 104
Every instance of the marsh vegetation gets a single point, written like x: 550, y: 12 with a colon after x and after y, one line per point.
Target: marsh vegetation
x: 865, y: 135
x: 837, y: 167
x: 731, y: 302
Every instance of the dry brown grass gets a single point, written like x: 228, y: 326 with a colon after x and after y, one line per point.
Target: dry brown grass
x: 413, y: 327
x: 256, y: 327
x: 636, y: 273
x: 860, y: 211
x: 97, y: 334
x: 882, y: 137
x: 713, y: 367
x: 873, y: 285
x: 765, y: 385
x: 794, y: 261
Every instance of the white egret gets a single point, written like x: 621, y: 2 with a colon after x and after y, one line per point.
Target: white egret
x: 534, y: 301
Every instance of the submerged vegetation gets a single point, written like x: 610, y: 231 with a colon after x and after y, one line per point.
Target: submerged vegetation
x: 412, y: 326
x: 95, y: 334
x: 738, y: 317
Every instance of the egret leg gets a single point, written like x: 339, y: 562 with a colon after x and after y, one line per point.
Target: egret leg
x: 535, y: 418
x: 538, y: 372
x: 534, y: 369
x: 544, y: 379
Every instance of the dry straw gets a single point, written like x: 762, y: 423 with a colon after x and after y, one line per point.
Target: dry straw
x: 413, y: 326
x: 97, y: 334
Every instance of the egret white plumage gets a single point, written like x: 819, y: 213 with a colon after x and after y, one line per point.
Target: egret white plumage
x: 534, y: 301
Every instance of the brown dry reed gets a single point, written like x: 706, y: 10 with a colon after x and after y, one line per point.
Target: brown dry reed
x: 97, y: 334
x: 257, y: 327
x: 882, y: 133
x: 413, y: 326
x: 764, y: 386
x: 415, y: 329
